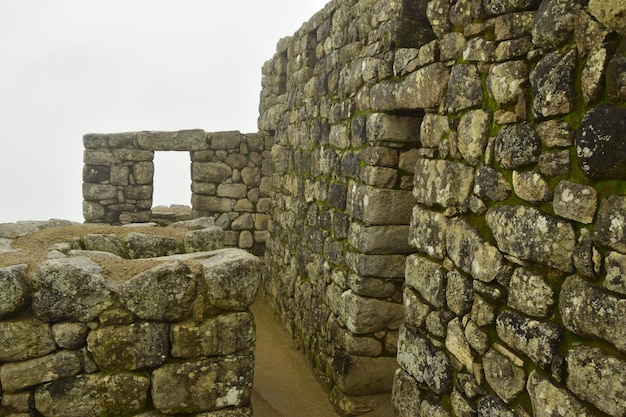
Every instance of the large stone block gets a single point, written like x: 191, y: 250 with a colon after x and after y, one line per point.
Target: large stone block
x: 464, y: 88
x: 232, y: 278
x: 203, y: 385
x: 428, y: 278
x: 531, y: 294
x: 428, y: 232
x: 13, y: 289
x: 372, y: 205
x: 527, y: 233
x: 201, y: 240
x: 368, y: 315
x: 610, y: 227
x: 216, y: 172
x: 381, y: 266
x: 383, y: 127
x: 550, y: 400
x: 363, y: 375
x: 25, y: 338
x: 406, y: 395
x: 506, y: 378
x: 552, y: 81
x: 106, y: 243
x: 517, y: 146
x: 379, y: 239
x: 442, y: 183
x: 72, y: 289
x: 143, y: 245
x: 183, y: 140
x: 473, y: 133
x: 93, y: 395
x: 16, y: 376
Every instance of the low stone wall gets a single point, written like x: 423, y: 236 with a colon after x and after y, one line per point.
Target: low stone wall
x: 230, y: 179
x: 176, y: 339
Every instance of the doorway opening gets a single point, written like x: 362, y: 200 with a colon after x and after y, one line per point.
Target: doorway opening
x: 171, y: 197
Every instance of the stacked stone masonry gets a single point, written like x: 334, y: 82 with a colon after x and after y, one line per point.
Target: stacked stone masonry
x: 230, y: 179
x: 176, y: 339
x: 449, y: 187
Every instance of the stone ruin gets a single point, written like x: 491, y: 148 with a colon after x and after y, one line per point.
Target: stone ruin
x: 446, y: 201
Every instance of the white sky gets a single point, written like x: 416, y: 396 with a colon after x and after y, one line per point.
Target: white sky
x: 70, y: 67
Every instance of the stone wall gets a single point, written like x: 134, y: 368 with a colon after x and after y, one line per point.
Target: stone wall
x: 174, y: 339
x: 230, y: 179
x: 459, y: 166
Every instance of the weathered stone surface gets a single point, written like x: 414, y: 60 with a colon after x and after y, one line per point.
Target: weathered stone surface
x: 610, y: 227
x: 379, y: 239
x: 363, y: 375
x: 202, y: 385
x: 477, y: 339
x: 482, y: 313
x: 491, y: 184
x: 457, y: 344
x: 550, y: 400
x: 437, y: 13
x: 14, y: 293
x: 16, y: 376
x: 554, y: 23
x: 422, y: 89
x: 93, y: 395
x: 433, y: 408
x: 473, y: 131
x: 381, y: 266
x: 615, y: 264
x: 437, y: 322
x: 588, y: 31
x: 442, y: 183
x: 505, y: 81
x: 464, y: 88
x: 215, y: 172
x: 616, y: 75
x: 498, y: 7
x: 587, y: 258
x: 194, y: 224
x: 598, y: 378
x: 514, y: 25
x: 552, y: 80
x: 459, y: 292
x: 382, y: 127
x: 537, y: 340
x: 492, y: 406
x: 129, y: 347
x: 367, y: 315
x: 428, y: 278
x: 105, y: 243
x: 531, y: 186
x: 590, y: 311
x: 555, y: 133
x: 472, y: 253
x: 70, y: 335
x: 601, y: 143
x: 554, y: 163
x: 592, y: 78
x: 24, y: 338
x: 527, y: 233
x: 611, y: 14
x: 433, y: 129
x: 184, y: 140
x: 232, y: 279
x: 406, y: 396
x: 371, y: 205
x: 208, y: 239
x: 575, y: 201
x: 428, y: 232
x: 415, y: 310
x: 507, y: 379
x: 71, y: 289
x: 517, y: 146
x: 142, y: 245
x: 225, y: 334
x: 530, y: 294
x: 164, y: 293
x: 371, y: 286
x: 428, y: 365
x: 479, y: 49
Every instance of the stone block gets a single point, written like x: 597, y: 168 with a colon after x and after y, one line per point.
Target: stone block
x: 383, y: 127
x: 464, y: 88
x: 216, y: 172
x: 440, y: 183
x: 610, y: 228
x: 237, y: 191
x: 531, y: 294
x: 506, y: 378
x: 428, y: 278
x: 371, y: 205
x: 517, y: 146
x: 575, y: 202
x: 105, y: 243
x: 549, y: 399
x: 182, y: 140
x: 14, y: 293
x: 554, y: 23
x: 415, y: 310
x: 552, y: 81
x: 70, y: 335
x: 232, y: 278
x: 226, y: 140
x: 405, y: 395
x: 16, y: 376
x: 427, y: 232
x: 615, y: 264
x: 143, y: 245
x: 201, y: 240
x: 99, y: 192
x: 379, y: 239
x: 457, y: 344
x: 531, y: 186
x: 93, y: 395
x: 473, y: 132
x: 363, y: 375
x: 381, y: 266
x: 367, y: 315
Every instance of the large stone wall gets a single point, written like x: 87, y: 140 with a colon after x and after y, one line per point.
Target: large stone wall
x: 230, y: 179
x: 175, y: 339
x: 459, y: 166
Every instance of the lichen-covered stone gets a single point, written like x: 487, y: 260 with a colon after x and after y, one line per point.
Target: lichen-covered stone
x: 202, y: 385
x: 457, y: 344
x: 477, y: 339
x: 165, y: 292
x: 406, y: 395
x: 527, y: 233
x: 537, y: 340
x: 514, y: 25
x: 207, y: 239
x: 129, y: 347
x: 415, y: 310
x: 24, y: 338
x: 498, y: 7
x: 590, y: 311
x: 428, y: 231
x: 552, y: 164
x: 464, y: 88
x: 428, y: 278
x: 549, y: 400
x: 507, y: 379
x: 482, y: 313
x: 442, y: 183
x: 459, y: 292
x: 142, y: 245
x: 433, y: 129
x: 598, y: 378
x: 601, y: 143
x: 379, y: 239
x: 505, y: 81
x: 381, y: 266
x: 374, y: 210
x: 16, y: 376
x: 383, y: 127
x: 472, y: 253
x: 593, y: 74
x: 555, y: 133
x: 491, y: 184
x: 225, y: 334
x: 427, y: 364
x: 517, y: 146
x: 616, y: 75
x: 492, y: 406
x: 552, y: 80
x: 13, y: 289
x: 575, y: 201
x: 615, y: 264
x: 588, y: 31
x: 70, y: 335
x: 554, y: 22
x: 530, y: 294
x: 587, y: 258
x: 473, y: 131
x: 531, y: 186
x: 105, y: 243
x: 611, y: 14
x: 363, y: 375
x: 610, y: 227
x: 72, y: 289
x: 93, y: 395
x: 232, y: 278
x: 367, y: 315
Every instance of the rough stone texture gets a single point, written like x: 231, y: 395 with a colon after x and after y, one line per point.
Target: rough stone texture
x: 201, y: 240
x: 610, y: 229
x: 575, y: 201
x: 506, y: 379
x: 13, y: 289
x: 105, y: 243
x: 505, y: 81
x: 428, y: 278
x: 590, y: 311
x: 517, y: 146
x: 362, y: 375
x: 527, y: 233
x: 598, y: 378
x: 143, y: 245
x: 406, y: 396
x: 554, y: 23
x: 473, y: 132
x: 69, y: 289
x: 530, y: 294
x: 610, y: 14
x: 550, y: 400
x: 70, y: 335
x: 164, y: 293
x: 202, y: 385
x: 428, y: 231
x: 442, y: 183
x: 491, y: 185
x: 553, y: 82
x: 615, y: 264
x: 464, y: 88
x: 600, y: 143
x: 16, y: 376
x: 367, y: 315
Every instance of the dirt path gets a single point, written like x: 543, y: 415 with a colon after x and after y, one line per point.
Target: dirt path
x: 284, y: 385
